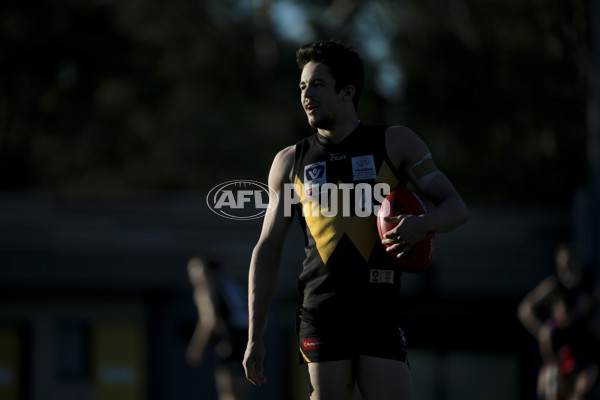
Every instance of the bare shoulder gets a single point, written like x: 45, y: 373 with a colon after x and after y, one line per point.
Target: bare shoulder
x: 286, y: 156
x: 398, y: 130
x: 283, y: 163
x: 401, y: 135
x: 404, y: 146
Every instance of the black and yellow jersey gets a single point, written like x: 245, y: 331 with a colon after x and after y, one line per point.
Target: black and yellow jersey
x: 346, y: 265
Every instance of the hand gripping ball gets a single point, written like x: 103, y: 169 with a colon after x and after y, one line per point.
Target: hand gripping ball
x: 402, y: 200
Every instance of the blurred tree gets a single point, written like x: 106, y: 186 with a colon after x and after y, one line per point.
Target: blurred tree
x: 104, y: 97
x: 499, y: 90
x: 112, y: 97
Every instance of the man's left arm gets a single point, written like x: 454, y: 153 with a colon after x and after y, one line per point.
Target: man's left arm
x: 410, y: 153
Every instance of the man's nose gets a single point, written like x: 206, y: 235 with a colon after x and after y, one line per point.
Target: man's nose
x: 308, y: 92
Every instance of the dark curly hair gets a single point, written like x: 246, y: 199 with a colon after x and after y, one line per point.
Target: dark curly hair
x: 343, y: 61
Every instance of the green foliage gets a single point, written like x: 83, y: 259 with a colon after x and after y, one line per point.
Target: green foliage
x: 499, y: 90
x: 106, y: 97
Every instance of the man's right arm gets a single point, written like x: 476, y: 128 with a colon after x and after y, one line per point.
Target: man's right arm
x: 265, y: 262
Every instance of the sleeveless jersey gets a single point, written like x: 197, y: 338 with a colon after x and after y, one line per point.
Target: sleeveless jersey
x: 346, y: 266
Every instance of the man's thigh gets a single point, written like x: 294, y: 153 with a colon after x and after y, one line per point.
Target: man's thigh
x: 331, y: 380
x: 383, y: 379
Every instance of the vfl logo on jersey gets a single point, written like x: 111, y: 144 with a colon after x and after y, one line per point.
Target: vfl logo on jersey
x: 363, y: 168
x: 315, y: 175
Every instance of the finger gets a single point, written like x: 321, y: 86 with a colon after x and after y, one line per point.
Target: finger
x: 392, y: 234
x: 394, y: 248
x: 249, y: 369
x: 260, y: 373
x: 255, y: 372
x: 257, y: 378
x: 394, y: 244
x: 392, y: 240
x: 400, y: 248
x: 404, y: 251
x: 251, y: 376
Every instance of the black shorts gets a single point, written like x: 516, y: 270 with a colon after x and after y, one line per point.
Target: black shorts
x: 331, y: 338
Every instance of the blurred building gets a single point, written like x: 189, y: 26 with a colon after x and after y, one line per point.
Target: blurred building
x: 95, y: 302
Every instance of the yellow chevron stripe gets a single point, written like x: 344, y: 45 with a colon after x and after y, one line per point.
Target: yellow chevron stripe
x: 327, y: 231
x: 386, y: 175
x: 304, y: 355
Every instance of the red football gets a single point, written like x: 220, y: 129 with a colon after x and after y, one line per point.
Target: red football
x: 402, y: 200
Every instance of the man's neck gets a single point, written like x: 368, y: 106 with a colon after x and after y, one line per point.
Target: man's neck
x: 341, y: 131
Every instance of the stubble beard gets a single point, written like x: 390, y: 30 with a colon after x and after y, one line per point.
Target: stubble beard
x: 324, y: 122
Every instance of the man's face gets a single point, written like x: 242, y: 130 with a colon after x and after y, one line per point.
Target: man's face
x: 319, y: 99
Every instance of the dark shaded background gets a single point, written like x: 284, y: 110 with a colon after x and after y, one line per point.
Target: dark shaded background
x: 111, y: 98
x: 116, y: 119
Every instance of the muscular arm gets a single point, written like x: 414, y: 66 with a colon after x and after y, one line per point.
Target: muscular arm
x: 264, y: 266
x: 410, y: 153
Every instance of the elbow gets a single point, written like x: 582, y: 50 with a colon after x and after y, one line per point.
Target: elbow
x: 522, y: 312
x: 268, y: 248
x: 462, y: 212
x: 458, y: 216
x: 266, y: 254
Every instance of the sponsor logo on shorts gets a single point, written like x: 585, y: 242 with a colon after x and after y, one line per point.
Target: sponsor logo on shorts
x: 311, y: 343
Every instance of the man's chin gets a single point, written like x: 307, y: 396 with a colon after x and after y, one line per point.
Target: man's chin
x: 318, y: 124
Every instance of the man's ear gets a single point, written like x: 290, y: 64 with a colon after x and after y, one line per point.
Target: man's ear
x: 349, y: 92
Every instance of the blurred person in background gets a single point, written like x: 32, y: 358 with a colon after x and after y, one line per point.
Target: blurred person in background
x: 223, y: 320
x: 562, y: 315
